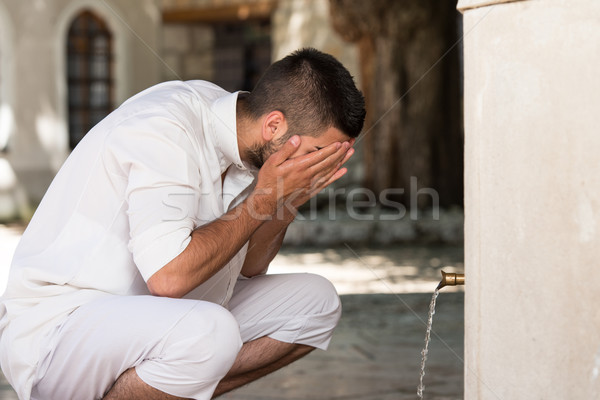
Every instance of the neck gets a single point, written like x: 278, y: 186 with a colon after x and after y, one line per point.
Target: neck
x: 245, y: 128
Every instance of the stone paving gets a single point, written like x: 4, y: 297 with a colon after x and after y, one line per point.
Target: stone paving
x: 375, y: 353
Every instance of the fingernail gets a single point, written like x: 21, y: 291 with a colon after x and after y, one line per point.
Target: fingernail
x: 295, y: 140
x: 338, y: 145
x: 346, y: 145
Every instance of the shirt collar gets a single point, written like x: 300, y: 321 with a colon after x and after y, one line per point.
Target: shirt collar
x: 225, y: 130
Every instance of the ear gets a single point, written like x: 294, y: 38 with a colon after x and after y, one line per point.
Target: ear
x: 274, y: 126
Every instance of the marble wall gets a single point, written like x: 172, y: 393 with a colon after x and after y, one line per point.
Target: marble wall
x: 532, y: 199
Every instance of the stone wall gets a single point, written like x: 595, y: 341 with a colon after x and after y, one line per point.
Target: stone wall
x: 187, y: 50
x: 532, y: 199
x: 375, y: 227
x: 187, y: 4
x: 33, y: 115
x: 302, y: 23
x: 187, y: 47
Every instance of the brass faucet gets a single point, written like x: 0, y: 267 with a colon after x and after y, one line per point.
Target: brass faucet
x: 451, y: 279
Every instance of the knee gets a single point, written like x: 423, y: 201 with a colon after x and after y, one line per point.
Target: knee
x: 217, y: 342
x: 325, y: 300
x: 322, y: 313
x: 196, y: 354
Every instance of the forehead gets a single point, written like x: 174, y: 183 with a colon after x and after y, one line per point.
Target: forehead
x: 331, y: 135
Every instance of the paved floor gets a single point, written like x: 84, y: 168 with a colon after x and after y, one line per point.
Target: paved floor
x: 375, y: 353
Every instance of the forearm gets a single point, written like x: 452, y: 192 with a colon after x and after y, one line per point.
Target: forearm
x: 210, y: 248
x: 279, y: 180
x: 265, y: 243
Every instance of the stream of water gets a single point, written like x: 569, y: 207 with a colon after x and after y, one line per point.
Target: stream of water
x: 425, y: 350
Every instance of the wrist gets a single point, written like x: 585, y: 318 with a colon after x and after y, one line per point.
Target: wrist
x: 286, y: 214
x: 261, y: 206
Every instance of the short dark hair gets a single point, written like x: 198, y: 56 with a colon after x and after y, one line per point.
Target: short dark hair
x: 313, y: 90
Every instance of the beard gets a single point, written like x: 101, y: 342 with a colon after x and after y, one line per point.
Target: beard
x: 258, y: 154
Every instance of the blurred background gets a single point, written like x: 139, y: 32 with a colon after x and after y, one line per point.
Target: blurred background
x: 65, y: 64
x: 382, y: 233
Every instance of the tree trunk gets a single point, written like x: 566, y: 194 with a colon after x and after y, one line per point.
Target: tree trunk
x: 411, y: 84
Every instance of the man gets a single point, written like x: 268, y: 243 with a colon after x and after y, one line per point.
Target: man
x: 142, y: 273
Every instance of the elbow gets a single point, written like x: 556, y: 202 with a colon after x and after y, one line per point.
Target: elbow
x: 162, y: 285
x: 251, y: 273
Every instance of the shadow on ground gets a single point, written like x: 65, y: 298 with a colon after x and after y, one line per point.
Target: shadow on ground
x: 375, y: 354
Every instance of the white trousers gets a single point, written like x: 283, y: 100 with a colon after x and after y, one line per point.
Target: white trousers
x: 180, y: 346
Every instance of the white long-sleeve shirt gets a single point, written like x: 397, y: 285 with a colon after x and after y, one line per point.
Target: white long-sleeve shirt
x: 122, y: 206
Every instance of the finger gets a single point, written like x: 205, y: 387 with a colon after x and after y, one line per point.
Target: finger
x: 348, y: 155
x: 286, y: 151
x: 320, y: 183
x: 338, y: 174
x: 326, y: 181
x: 318, y: 156
x: 330, y: 163
x: 322, y: 179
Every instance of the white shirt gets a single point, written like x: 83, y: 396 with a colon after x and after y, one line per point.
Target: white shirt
x: 122, y: 206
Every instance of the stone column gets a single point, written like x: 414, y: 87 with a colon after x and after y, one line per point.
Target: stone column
x: 532, y: 199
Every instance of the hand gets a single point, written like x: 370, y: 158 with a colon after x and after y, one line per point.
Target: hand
x: 293, y: 181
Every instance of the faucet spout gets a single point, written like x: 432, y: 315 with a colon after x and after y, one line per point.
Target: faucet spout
x: 451, y: 279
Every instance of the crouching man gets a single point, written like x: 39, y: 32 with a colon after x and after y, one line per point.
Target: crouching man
x: 142, y: 272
